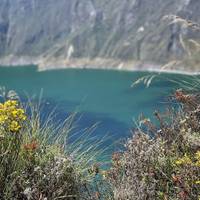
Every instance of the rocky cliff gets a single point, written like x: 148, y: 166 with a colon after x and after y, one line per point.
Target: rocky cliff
x: 107, y: 29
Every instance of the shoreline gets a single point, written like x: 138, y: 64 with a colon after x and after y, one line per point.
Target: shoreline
x: 155, y: 70
x: 43, y: 64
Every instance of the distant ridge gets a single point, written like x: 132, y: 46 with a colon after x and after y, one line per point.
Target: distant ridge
x: 48, y: 30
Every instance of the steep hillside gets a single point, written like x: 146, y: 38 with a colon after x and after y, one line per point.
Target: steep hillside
x: 109, y: 29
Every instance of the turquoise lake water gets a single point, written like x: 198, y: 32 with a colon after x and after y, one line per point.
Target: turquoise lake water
x: 100, y: 96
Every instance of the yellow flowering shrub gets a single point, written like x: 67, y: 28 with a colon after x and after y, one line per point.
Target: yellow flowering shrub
x: 30, y: 166
x: 185, y: 160
x: 197, y: 157
x: 11, y: 116
x: 189, y: 160
x: 197, y: 182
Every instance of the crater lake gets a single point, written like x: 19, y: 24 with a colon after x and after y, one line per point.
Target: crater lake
x: 103, y: 97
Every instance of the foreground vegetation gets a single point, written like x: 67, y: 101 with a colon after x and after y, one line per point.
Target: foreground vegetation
x: 36, y: 162
x: 30, y: 167
x: 161, y: 160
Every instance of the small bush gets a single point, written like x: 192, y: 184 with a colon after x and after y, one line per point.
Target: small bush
x: 162, y: 162
x: 38, y: 163
x: 30, y: 168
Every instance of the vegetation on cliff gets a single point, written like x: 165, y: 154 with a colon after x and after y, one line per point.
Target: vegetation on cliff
x: 36, y: 160
x: 161, y: 160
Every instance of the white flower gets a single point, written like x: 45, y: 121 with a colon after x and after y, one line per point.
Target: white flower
x: 28, y: 193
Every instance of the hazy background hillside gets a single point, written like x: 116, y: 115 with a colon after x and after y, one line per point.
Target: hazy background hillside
x: 119, y: 29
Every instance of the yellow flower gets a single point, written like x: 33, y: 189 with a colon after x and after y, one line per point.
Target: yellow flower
x: 197, y: 163
x: 19, y: 113
x: 185, y: 160
x: 14, y: 113
x: 3, y: 119
x: 178, y: 162
x: 10, y: 103
x: 11, y: 116
x: 197, y: 182
x: 14, y: 126
x: 197, y: 155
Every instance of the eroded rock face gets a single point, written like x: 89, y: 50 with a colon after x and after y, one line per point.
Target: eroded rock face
x: 125, y: 29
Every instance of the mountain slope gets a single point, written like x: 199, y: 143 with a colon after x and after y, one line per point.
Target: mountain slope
x: 125, y: 30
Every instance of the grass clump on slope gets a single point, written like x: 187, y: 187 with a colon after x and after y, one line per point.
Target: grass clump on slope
x: 30, y: 167
x: 36, y: 160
